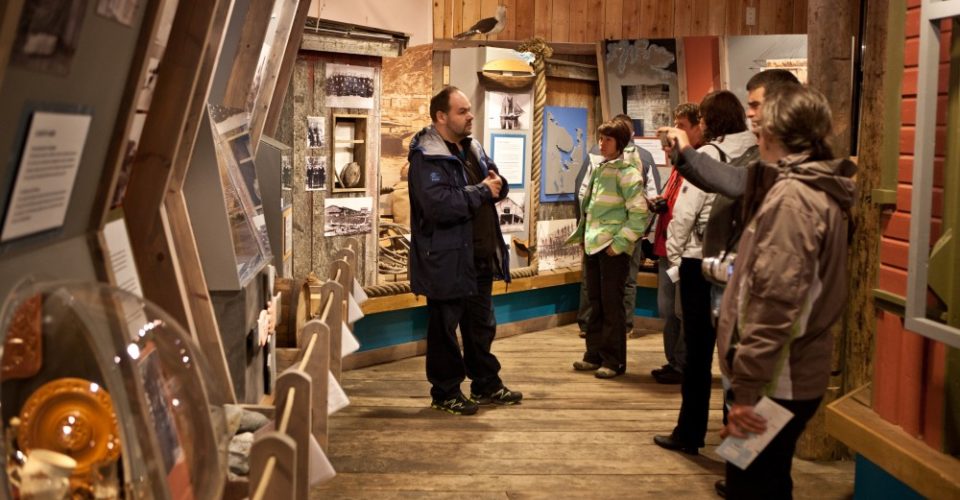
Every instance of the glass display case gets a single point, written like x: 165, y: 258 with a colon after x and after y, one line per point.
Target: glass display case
x: 105, y: 395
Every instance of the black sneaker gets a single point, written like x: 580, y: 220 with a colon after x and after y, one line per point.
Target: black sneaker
x: 457, y: 405
x: 503, y: 396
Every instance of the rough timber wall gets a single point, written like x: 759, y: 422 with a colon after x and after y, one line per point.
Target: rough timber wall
x: 591, y: 20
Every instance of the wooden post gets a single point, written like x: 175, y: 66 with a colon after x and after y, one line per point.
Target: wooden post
x: 830, y: 28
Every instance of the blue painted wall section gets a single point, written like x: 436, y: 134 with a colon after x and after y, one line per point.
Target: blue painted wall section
x: 873, y: 483
x: 391, y: 328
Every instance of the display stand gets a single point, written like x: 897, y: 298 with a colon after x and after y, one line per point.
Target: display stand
x: 270, y: 171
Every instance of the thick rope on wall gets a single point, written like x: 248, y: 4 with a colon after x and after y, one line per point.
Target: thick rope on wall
x: 539, y: 48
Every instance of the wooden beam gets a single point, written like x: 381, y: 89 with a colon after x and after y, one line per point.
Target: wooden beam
x: 247, y: 58
x: 543, y: 280
x: 117, y: 152
x: 356, y: 46
x: 931, y: 473
x: 558, y: 68
x: 602, y: 73
x: 9, y: 17
x: 162, y: 146
x: 559, y: 48
x: 830, y: 63
x: 286, y: 69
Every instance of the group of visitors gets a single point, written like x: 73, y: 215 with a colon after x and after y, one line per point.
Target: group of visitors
x: 750, y: 233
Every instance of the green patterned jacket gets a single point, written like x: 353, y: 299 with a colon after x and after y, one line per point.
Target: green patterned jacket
x: 615, y: 209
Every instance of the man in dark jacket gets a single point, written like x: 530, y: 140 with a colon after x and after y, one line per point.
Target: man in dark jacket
x: 456, y: 251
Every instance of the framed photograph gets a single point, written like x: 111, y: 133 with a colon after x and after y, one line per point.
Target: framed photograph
x: 349, y: 86
x: 554, y: 253
x: 316, y: 128
x: 564, y: 150
x: 508, y: 111
x: 511, y: 212
x: 343, y: 216
x: 316, y: 178
x: 48, y: 35
x: 121, y: 11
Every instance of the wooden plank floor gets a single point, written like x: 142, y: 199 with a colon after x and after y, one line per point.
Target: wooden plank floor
x: 574, y: 436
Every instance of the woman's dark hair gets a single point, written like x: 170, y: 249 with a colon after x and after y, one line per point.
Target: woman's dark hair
x: 618, y: 130
x: 722, y: 114
x: 799, y: 118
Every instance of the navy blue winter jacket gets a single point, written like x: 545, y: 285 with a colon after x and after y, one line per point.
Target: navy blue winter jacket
x: 442, y: 208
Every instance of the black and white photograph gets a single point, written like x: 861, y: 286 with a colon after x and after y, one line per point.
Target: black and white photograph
x: 316, y: 178
x: 316, y: 128
x: 48, y: 34
x: 344, y: 216
x: 122, y: 11
x: 510, y: 212
x: 648, y: 104
x: 554, y: 254
x: 508, y: 111
x: 349, y: 86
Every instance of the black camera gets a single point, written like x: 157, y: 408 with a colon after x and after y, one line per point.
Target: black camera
x: 659, y: 206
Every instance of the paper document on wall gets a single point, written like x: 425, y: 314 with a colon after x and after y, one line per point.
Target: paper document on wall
x: 336, y: 398
x: 358, y: 292
x: 348, y: 342
x: 741, y: 452
x: 354, y: 313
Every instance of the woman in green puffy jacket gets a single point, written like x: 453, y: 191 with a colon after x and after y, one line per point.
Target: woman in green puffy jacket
x: 615, y: 213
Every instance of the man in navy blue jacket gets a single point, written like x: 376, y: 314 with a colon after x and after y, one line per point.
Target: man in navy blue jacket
x: 456, y: 251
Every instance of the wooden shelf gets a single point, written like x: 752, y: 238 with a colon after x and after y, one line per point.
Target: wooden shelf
x: 928, y: 471
x: 558, y: 277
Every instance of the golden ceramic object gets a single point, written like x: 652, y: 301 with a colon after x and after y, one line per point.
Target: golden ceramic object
x: 72, y: 416
x: 23, y: 347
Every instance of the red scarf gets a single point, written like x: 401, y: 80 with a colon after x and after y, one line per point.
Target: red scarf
x: 670, y: 193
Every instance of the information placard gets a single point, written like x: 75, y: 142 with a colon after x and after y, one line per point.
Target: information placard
x: 46, y: 173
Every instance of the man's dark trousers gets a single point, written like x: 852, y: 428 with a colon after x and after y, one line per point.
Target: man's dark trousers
x: 446, y: 368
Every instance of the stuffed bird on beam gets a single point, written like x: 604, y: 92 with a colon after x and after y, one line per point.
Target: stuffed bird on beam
x: 488, y: 26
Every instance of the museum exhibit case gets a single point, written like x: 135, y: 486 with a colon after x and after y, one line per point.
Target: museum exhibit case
x: 104, y: 396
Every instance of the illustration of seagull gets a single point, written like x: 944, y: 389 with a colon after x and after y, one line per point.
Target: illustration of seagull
x: 488, y: 26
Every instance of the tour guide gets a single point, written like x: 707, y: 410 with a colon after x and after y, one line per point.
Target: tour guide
x: 456, y: 251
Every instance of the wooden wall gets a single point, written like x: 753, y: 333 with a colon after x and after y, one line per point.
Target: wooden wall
x: 592, y: 20
x: 910, y: 370
x: 312, y: 251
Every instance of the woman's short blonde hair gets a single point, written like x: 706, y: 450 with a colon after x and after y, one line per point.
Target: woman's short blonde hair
x: 799, y: 117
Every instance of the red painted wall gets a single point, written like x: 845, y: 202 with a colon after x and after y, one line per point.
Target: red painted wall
x: 909, y: 370
x: 702, y: 65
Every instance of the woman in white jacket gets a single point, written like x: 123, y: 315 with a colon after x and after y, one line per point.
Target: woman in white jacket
x: 724, y: 124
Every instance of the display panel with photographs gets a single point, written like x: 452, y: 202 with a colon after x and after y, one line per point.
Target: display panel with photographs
x: 241, y: 192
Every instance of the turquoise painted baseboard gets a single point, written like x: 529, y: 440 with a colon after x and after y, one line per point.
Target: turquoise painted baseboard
x: 391, y: 328
x: 873, y: 483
